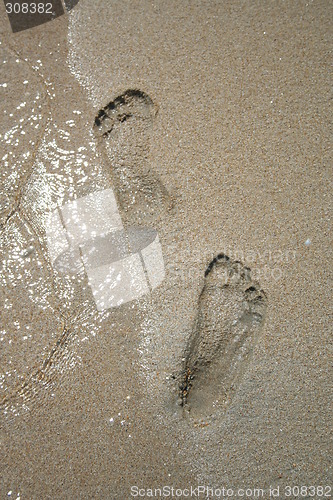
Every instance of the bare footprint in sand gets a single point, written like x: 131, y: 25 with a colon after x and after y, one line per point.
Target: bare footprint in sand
x: 231, y: 313
x: 123, y: 130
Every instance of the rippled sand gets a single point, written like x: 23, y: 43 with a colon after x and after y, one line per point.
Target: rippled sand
x: 240, y: 142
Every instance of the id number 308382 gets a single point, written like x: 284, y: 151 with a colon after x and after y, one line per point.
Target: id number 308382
x: 29, y: 8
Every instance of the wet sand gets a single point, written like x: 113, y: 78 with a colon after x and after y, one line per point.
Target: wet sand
x: 241, y: 143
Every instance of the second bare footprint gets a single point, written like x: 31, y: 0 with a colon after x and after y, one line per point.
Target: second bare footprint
x: 231, y: 312
x: 123, y: 130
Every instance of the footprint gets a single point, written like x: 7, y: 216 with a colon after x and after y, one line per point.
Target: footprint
x: 231, y: 314
x: 123, y: 129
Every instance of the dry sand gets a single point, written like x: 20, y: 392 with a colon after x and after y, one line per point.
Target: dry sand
x: 241, y: 142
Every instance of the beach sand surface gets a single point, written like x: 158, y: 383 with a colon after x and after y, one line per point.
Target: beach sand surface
x: 240, y: 141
